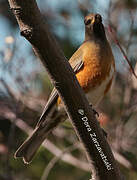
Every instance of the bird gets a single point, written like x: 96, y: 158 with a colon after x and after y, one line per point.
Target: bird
x: 94, y: 66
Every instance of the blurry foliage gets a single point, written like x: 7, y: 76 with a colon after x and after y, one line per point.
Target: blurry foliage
x: 25, y: 87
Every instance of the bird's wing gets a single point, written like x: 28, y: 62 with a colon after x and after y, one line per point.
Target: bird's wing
x: 50, y: 103
x: 76, y: 63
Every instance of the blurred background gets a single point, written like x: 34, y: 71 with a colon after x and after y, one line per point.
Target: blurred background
x: 25, y: 87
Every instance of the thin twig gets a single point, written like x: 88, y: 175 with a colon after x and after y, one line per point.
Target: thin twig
x: 131, y: 31
x: 55, y: 159
x: 8, y: 89
x: 115, y: 39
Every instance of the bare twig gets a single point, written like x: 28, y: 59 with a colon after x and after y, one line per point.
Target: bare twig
x: 55, y: 159
x: 9, y: 91
x: 114, y: 37
x: 12, y: 127
x: 122, y: 160
x: 131, y: 31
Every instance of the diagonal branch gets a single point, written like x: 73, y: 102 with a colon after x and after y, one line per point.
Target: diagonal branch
x: 35, y: 30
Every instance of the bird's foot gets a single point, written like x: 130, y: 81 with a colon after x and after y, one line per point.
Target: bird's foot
x: 94, y: 111
x: 97, y: 114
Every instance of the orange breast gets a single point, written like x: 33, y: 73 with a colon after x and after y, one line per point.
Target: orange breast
x: 97, y: 65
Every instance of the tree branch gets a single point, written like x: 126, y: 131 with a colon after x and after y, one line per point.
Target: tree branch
x: 35, y: 30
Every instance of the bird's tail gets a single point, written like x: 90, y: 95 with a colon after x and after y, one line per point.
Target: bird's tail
x: 28, y: 149
x: 48, y: 121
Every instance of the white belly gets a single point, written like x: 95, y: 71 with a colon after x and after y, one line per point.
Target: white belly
x: 95, y: 95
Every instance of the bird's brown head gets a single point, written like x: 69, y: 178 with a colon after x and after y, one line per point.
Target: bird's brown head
x: 94, y: 27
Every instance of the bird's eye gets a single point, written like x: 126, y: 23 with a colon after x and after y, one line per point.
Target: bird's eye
x: 87, y: 22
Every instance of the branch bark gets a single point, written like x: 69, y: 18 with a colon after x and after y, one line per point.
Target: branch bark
x: 35, y: 30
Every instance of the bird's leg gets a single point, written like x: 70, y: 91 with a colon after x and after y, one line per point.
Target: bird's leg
x: 96, y: 113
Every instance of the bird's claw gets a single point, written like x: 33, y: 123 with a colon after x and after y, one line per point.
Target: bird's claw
x: 94, y: 111
x: 97, y: 114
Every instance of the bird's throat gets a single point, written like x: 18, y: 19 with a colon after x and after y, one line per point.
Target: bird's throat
x: 98, y: 30
x: 95, y: 32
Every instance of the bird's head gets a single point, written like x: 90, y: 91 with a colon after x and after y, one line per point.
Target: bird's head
x: 94, y: 26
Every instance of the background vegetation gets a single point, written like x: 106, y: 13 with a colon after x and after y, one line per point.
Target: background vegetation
x: 25, y: 87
